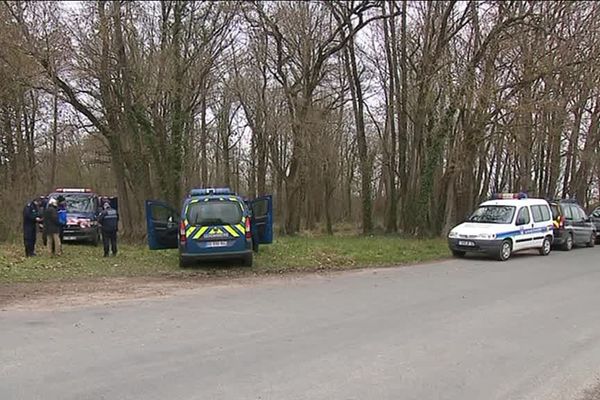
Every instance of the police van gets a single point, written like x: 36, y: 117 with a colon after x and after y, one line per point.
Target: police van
x: 506, y: 224
x: 82, y: 208
x: 213, y: 224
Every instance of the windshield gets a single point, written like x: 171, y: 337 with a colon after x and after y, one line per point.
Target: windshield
x: 214, y: 213
x: 78, y: 203
x: 493, y: 215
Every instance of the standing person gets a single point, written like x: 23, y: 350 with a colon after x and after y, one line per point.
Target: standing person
x: 62, y: 216
x: 31, y: 217
x: 42, y: 209
x: 109, y: 222
x: 52, y: 227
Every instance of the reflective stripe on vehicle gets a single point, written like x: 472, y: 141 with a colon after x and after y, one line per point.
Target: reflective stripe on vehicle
x: 200, y: 232
x: 231, y: 231
x: 189, y: 231
x: 241, y: 228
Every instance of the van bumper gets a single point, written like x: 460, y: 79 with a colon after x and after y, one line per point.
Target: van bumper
x: 479, y: 246
x: 226, y: 255
x: 77, y: 234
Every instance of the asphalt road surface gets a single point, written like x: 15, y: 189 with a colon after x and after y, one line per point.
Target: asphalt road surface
x: 461, y: 329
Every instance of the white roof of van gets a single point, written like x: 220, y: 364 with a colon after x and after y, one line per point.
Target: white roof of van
x: 514, y: 202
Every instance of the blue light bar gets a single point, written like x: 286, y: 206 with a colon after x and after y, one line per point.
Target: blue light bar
x: 210, y: 191
x: 509, y: 196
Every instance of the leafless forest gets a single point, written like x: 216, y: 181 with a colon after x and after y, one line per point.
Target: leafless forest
x: 394, y: 116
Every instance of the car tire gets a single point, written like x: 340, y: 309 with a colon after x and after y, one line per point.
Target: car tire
x: 458, y: 253
x: 183, y: 263
x: 505, y: 251
x: 546, y: 246
x: 568, y: 245
x: 592, y: 241
x: 96, y: 240
x: 248, y: 260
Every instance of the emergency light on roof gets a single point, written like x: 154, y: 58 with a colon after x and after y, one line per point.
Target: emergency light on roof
x: 509, y: 196
x: 73, y: 190
x: 209, y: 191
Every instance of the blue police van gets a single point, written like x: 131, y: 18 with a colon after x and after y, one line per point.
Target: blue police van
x: 82, y: 208
x: 213, y: 224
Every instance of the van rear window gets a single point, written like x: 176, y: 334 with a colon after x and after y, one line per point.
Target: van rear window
x: 214, y: 212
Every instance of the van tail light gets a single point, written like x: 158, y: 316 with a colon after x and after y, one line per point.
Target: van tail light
x: 561, y: 222
x: 182, y: 238
x: 248, y: 231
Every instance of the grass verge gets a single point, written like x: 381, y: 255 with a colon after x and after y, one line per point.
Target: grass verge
x: 287, y: 254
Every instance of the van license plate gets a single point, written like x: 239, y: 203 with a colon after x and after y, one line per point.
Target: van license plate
x: 216, y: 244
x: 466, y: 243
x: 69, y: 238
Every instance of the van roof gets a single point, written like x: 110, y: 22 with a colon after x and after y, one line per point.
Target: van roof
x: 515, y: 202
x: 223, y: 197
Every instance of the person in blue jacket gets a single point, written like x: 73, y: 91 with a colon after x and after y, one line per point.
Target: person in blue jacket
x: 31, y: 218
x: 62, y: 215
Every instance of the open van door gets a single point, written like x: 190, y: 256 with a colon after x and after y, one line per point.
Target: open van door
x: 262, y: 219
x: 162, y: 224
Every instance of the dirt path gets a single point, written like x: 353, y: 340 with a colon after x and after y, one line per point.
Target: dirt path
x: 77, y: 293
x: 52, y: 295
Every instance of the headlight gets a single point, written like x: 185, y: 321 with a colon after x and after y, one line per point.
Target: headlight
x: 453, y: 234
x: 486, y: 236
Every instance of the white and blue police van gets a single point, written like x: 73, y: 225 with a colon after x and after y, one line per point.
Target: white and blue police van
x: 507, y: 223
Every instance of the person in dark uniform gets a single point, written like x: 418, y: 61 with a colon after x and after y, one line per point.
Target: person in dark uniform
x: 109, y: 222
x: 31, y: 218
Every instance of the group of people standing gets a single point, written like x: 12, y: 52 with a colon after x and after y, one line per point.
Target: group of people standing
x: 53, y: 219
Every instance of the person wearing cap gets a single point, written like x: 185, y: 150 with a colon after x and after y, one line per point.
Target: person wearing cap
x: 52, y: 227
x: 31, y: 217
x: 109, y: 223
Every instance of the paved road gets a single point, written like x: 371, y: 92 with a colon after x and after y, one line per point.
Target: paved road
x: 471, y: 329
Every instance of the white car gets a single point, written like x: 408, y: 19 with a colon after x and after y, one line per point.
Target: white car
x: 506, y: 224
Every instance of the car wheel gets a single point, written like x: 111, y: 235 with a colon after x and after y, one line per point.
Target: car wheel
x: 248, y: 260
x: 546, y: 246
x: 183, y: 263
x: 96, y: 240
x: 458, y: 253
x: 592, y: 241
x: 568, y: 246
x: 505, y: 251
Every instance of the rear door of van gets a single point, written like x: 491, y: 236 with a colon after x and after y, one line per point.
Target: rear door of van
x: 215, y: 225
